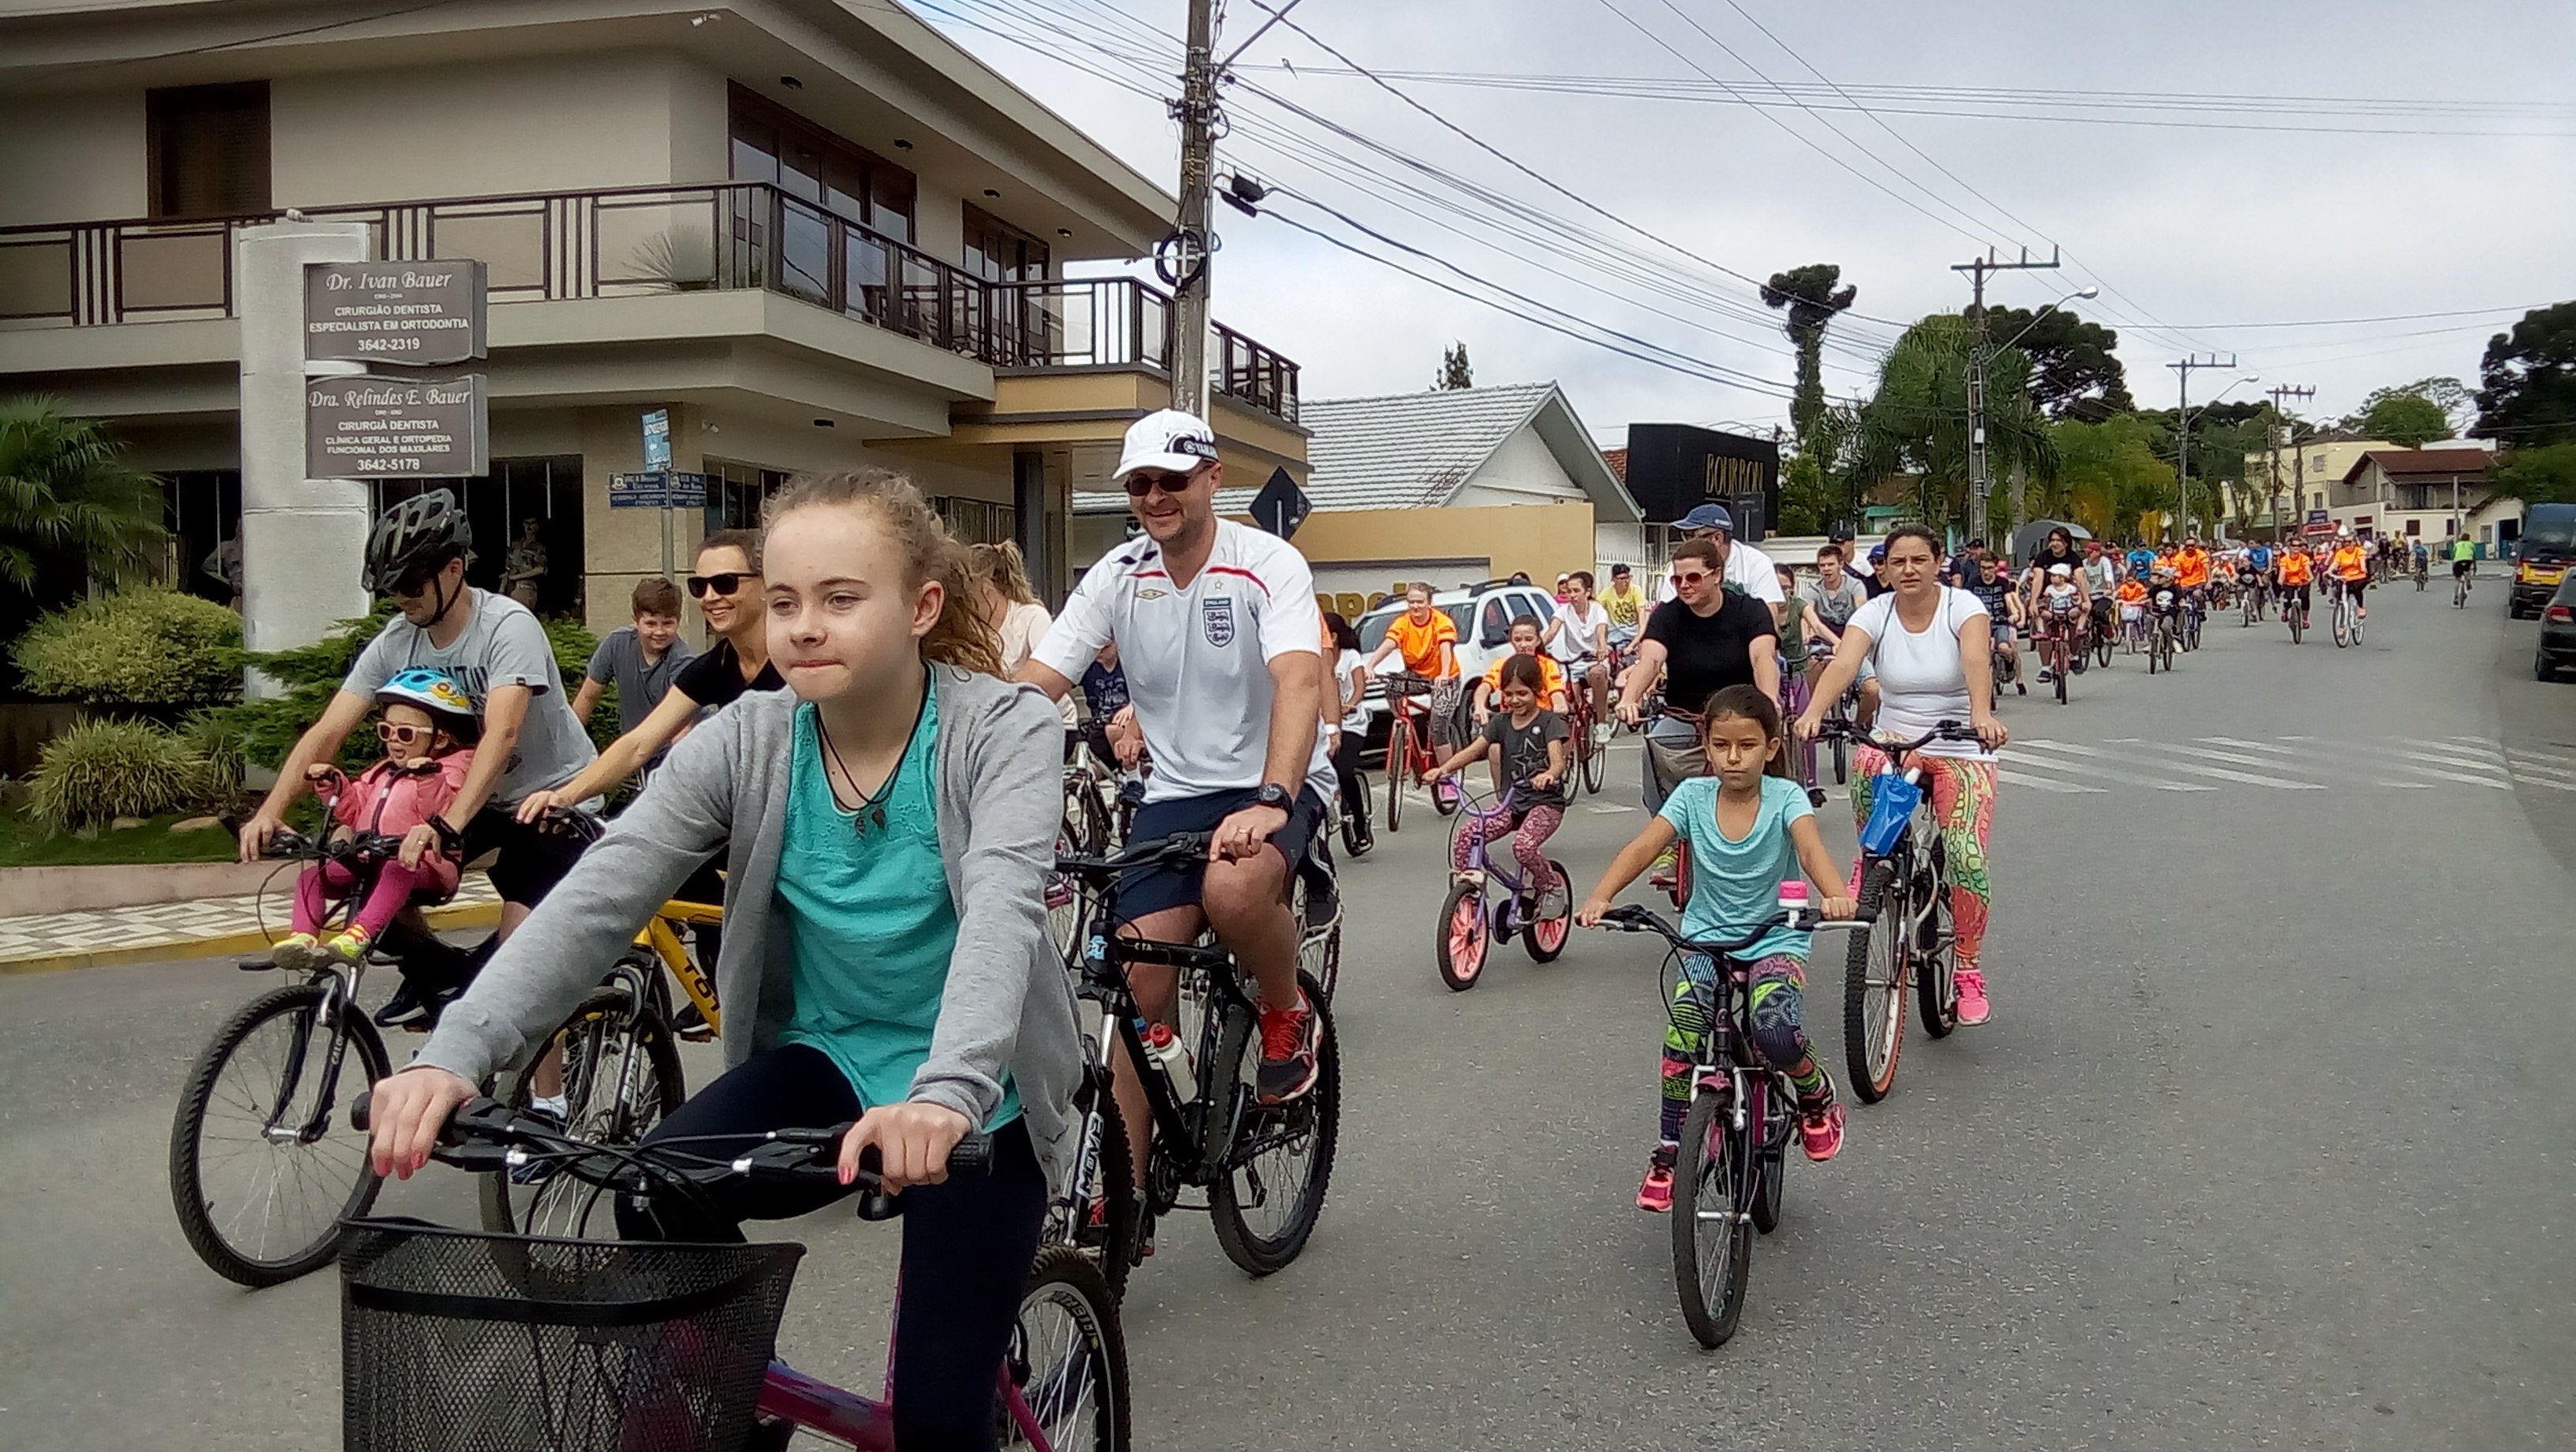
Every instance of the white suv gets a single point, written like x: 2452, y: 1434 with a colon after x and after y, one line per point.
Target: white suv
x: 1483, y: 614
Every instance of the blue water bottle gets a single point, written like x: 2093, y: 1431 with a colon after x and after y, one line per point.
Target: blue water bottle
x: 1893, y: 799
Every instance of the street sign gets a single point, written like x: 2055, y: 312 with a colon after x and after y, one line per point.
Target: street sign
x: 657, y: 438
x: 372, y: 427
x: 2318, y: 516
x: 1281, y: 506
x: 415, y: 313
x: 657, y: 489
x: 2318, y: 526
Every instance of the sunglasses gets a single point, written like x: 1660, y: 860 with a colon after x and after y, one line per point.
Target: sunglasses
x: 397, y: 734
x: 1141, y: 484
x: 724, y: 584
x: 1692, y: 578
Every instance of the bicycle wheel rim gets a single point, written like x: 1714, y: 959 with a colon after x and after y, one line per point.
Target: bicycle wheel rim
x: 1282, y: 1157
x: 1711, y: 1242
x: 1464, y: 938
x: 1067, y: 1361
x: 617, y: 1085
x: 268, y: 1208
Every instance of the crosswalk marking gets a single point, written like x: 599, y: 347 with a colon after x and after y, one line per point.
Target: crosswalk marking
x: 2021, y: 748
x: 2223, y: 773
x: 2539, y: 765
x: 2016, y: 775
x: 2475, y: 773
x: 2363, y: 770
x: 2358, y: 769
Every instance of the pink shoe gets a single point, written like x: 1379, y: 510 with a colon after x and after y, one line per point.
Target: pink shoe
x: 1973, y: 1008
x: 1656, y: 1194
x: 1821, y: 1132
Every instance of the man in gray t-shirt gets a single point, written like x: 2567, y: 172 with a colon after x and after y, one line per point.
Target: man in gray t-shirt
x: 501, y: 645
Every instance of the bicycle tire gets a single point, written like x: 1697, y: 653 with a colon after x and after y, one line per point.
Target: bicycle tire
x: 1842, y: 763
x: 1883, y: 899
x: 2298, y: 623
x: 1934, y: 959
x: 1544, y: 938
x: 1318, y: 955
x: 1399, y: 745
x: 1595, y: 762
x: 222, y: 1254
x: 1709, y: 1167
x: 1321, y: 1109
x: 2057, y: 676
x: 1771, y: 1166
x: 2102, y: 649
x: 1080, y: 1405
x: 1462, y: 939
x: 1357, y: 839
x: 1680, y: 890
x: 561, y: 1205
x: 1115, y: 1245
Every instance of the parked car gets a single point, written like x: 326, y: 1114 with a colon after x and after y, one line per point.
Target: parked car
x: 1483, y: 614
x: 2557, y: 649
x: 2542, y: 558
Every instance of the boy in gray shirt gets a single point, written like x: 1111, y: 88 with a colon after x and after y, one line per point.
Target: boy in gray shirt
x: 638, y: 659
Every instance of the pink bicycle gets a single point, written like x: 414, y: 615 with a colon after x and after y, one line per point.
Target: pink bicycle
x: 460, y: 1341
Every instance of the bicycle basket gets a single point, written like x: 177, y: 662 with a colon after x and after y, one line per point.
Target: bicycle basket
x: 455, y: 1341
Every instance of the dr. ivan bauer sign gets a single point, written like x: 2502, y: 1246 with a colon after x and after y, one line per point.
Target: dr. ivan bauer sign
x: 395, y: 428
x: 423, y: 314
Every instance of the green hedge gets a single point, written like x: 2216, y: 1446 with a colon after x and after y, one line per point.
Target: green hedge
x: 137, y: 647
x: 101, y: 770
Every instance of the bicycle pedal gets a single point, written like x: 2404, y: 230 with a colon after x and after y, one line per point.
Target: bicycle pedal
x: 697, y: 1036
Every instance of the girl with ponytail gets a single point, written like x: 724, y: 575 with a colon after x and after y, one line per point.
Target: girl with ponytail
x: 888, y: 824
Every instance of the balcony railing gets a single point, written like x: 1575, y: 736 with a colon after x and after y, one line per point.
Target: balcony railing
x: 639, y: 241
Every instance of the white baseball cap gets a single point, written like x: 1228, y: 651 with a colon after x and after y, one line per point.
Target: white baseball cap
x: 2061, y: 572
x: 1169, y: 440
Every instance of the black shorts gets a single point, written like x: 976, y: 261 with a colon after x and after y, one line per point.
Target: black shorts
x: 2462, y: 567
x: 1144, y: 891
x: 533, y: 857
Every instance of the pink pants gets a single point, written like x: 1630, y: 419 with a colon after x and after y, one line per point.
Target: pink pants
x: 324, y: 883
x: 1529, y: 847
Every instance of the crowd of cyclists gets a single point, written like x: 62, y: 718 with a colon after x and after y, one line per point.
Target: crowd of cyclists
x: 866, y: 768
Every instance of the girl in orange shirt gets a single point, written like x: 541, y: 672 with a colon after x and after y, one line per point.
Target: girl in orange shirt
x: 1427, y: 640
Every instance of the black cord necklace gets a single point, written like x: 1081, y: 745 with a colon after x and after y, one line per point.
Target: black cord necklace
x: 871, y: 810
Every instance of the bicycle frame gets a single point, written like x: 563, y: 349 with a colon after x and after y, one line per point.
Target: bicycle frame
x: 662, y: 937
x: 867, y: 1423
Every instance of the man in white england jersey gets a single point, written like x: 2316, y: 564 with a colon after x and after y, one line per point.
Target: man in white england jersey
x: 1217, y: 629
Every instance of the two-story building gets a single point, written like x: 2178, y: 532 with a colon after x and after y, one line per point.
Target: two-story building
x: 2302, y: 479
x: 2431, y: 493
x: 817, y: 232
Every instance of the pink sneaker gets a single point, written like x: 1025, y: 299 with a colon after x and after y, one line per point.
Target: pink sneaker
x: 1973, y: 1008
x: 1656, y: 1194
x: 1821, y: 1132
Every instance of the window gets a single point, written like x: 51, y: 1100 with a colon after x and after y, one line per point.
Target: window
x: 207, y: 148
x: 738, y: 494
x: 775, y: 145
x: 978, y: 521
x: 996, y: 251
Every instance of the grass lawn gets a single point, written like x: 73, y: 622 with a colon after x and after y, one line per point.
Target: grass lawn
x: 25, y: 843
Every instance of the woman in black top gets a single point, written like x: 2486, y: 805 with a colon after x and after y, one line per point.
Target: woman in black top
x: 1701, y: 641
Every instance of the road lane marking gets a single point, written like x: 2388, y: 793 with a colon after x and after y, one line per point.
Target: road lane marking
x: 2015, y: 776
x: 2089, y: 769
x: 2222, y: 773
x: 2408, y: 761
x: 2363, y: 769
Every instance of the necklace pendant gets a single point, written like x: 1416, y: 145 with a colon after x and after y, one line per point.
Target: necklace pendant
x: 877, y: 817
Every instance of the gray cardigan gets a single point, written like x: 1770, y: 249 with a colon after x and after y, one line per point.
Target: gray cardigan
x: 1009, y: 1004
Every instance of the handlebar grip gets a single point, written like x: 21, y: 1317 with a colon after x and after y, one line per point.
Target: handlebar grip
x: 358, y: 1111
x: 972, y: 1156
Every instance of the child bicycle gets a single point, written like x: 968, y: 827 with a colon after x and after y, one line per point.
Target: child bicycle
x: 1733, y: 1157
x: 1409, y: 749
x: 1263, y: 1168
x: 462, y: 1342
x: 1491, y: 902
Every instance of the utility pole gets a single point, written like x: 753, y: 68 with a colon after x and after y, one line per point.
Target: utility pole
x: 2279, y: 434
x: 2182, y: 436
x: 1184, y: 256
x: 1980, y: 480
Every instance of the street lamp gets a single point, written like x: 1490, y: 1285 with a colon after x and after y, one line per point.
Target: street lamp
x: 2083, y: 292
x: 2182, y: 455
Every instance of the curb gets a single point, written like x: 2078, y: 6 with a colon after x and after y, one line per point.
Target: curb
x: 457, y: 915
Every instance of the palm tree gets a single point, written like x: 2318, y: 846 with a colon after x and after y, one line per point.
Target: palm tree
x: 72, y: 507
x: 1808, y: 295
x: 1917, y: 422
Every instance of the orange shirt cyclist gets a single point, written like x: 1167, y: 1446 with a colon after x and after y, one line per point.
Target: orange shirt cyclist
x: 2291, y: 572
x: 1428, y: 641
x: 2350, y: 566
x: 2191, y: 567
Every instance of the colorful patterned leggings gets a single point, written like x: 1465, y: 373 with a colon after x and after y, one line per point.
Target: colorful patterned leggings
x: 1529, y: 847
x: 1963, y: 798
x: 1775, y: 997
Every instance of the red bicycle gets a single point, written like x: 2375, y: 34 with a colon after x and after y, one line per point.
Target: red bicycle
x: 1591, y: 755
x: 1409, y: 752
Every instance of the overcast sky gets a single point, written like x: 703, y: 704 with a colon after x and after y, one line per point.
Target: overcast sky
x: 2194, y: 230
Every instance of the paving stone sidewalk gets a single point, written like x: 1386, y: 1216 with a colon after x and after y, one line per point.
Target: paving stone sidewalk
x: 208, y: 927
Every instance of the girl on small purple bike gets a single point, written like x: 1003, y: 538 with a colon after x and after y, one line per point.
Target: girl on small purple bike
x: 1748, y: 830
x: 1533, y: 744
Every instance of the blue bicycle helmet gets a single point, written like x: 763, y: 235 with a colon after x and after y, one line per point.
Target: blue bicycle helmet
x: 436, y: 692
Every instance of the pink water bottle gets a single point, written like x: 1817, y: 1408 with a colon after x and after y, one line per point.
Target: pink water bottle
x: 1793, y: 901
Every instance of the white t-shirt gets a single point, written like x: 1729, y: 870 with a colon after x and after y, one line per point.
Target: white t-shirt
x: 1023, y: 625
x: 1747, y: 569
x: 1584, y: 632
x: 1347, y: 666
x: 1922, y: 679
x: 1198, y: 657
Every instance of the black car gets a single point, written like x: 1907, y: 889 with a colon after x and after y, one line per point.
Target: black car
x: 2557, y: 649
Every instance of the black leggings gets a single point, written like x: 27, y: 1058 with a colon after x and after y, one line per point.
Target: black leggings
x: 967, y: 1244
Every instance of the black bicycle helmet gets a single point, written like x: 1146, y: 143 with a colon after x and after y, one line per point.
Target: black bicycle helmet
x: 420, y: 534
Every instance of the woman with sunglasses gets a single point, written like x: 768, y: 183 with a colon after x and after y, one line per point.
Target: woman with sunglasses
x: 1704, y: 639
x: 727, y: 589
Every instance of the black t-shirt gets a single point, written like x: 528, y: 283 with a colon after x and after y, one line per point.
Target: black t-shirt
x: 2043, y: 559
x: 1704, y: 655
x: 1992, y: 594
x: 1525, y: 754
x: 715, y: 678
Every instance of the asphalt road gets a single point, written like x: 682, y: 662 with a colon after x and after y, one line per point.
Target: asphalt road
x: 2267, y: 1145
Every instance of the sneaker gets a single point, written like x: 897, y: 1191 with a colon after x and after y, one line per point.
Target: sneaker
x: 1973, y: 1008
x: 408, y: 1008
x: 1467, y: 877
x: 296, y: 952
x: 1656, y: 1194
x: 1820, y: 1126
x: 1551, y: 902
x: 350, y: 947
x: 1288, y: 1041
x: 2044, y: 676
x: 690, y: 1024
x: 1665, y: 862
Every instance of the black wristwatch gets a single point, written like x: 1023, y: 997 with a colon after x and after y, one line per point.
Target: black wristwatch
x: 1272, y: 794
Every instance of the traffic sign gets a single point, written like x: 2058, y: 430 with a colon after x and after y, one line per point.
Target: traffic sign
x: 1281, y: 506
x: 657, y: 489
x: 657, y: 439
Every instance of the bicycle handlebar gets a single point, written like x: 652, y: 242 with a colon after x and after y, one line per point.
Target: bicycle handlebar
x: 485, y: 1136
x: 1629, y: 918
x: 1941, y: 731
x: 1173, y: 851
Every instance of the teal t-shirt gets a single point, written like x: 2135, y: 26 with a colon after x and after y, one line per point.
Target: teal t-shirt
x: 1735, y: 885
x: 871, y: 920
